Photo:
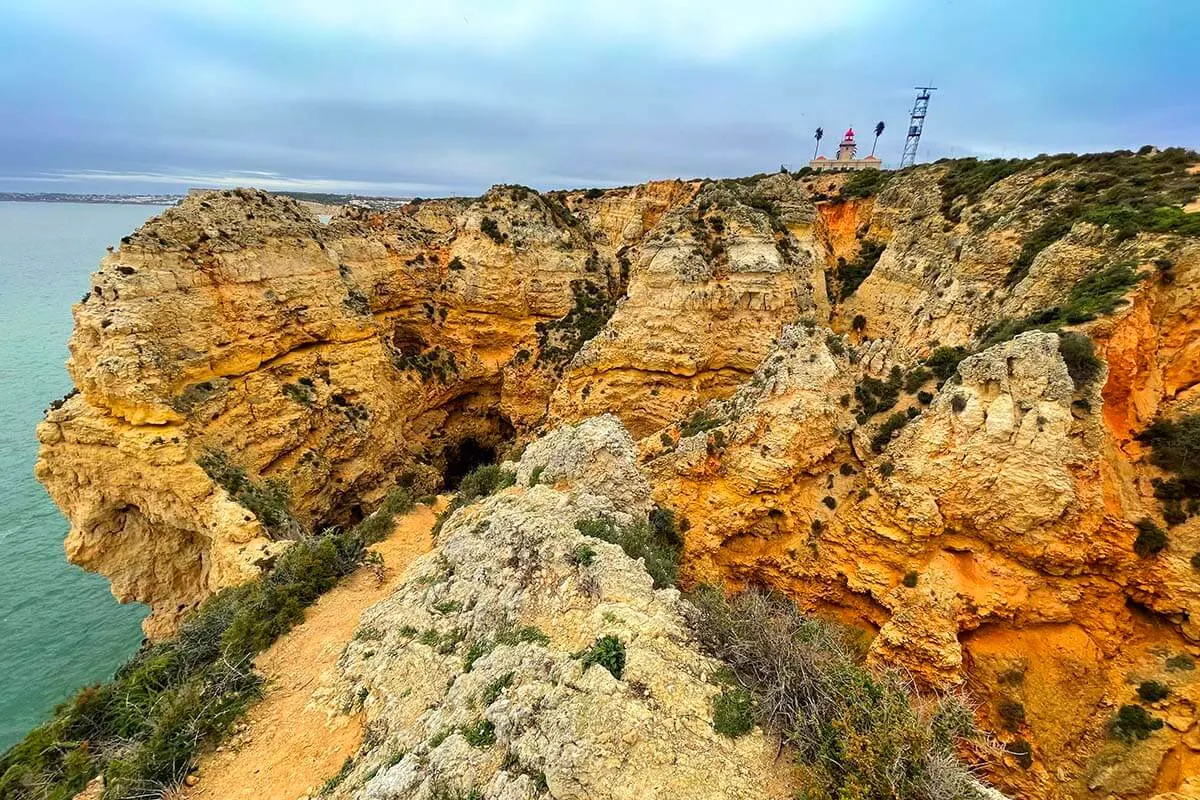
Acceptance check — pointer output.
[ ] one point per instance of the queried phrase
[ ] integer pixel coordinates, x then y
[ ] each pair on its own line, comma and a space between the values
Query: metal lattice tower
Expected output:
915, 124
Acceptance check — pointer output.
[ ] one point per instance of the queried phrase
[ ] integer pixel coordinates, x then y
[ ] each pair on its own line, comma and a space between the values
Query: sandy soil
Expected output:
287, 747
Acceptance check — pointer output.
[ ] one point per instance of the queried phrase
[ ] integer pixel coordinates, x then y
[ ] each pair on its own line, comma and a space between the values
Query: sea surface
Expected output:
60, 628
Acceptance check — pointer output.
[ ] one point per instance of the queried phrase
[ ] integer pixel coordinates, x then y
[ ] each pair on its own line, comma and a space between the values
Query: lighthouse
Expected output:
845, 160
847, 147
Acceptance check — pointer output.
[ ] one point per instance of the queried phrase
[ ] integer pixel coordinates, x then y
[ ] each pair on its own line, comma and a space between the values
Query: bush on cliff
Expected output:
852, 274
1096, 294
144, 728
559, 340
1175, 448
858, 733
269, 500
656, 543
478, 483
1079, 355
865, 183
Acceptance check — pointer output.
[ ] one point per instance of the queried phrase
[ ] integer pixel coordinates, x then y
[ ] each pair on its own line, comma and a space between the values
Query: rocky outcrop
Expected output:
982, 543
711, 286
470, 675
980, 527
336, 359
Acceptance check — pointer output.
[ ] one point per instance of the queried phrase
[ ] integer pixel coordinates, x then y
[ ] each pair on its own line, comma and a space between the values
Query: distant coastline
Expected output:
117, 199
319, 198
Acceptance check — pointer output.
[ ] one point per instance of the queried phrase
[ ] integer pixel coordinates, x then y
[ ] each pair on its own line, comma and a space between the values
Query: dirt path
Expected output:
287, 747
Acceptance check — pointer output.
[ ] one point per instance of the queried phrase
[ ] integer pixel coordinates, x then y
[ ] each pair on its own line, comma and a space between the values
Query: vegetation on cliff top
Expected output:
479, 483
145, 727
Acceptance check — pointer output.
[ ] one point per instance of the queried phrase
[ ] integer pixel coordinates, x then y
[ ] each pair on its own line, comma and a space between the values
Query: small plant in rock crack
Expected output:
608, 652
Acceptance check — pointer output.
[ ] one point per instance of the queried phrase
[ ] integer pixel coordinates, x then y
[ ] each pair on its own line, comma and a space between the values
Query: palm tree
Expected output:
819, 135
878, 132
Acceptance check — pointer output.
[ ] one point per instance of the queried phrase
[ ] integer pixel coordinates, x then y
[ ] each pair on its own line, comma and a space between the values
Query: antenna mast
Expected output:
915, 124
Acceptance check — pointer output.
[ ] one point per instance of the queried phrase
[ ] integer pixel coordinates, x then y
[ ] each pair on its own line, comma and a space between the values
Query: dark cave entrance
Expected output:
465, 456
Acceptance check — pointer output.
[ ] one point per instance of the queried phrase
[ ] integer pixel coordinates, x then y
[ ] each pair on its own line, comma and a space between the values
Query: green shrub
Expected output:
269, 501
884, 435
559, 340
1152, 691
1022, 751
522, 635
656, 546
1012, 714
475, 652
874, 395
971, 177
1150, 540
583, 555
865, 183
958, 402
1175, 448
480, 734
535, 475
829, 502
491, 692
915, 379
733, 712
379, 524
886, 469
700, 422
491, 229
859, 323
436, 362
146, 725
1181, 662
834, 343
924, 398
1080, 357
851, 276
1131, 723
1096, 294
1175, 445
1195, 561
910, 579
302, 393
847, 469
944, 361
1046, 234
479, 483
608, 652
850, 726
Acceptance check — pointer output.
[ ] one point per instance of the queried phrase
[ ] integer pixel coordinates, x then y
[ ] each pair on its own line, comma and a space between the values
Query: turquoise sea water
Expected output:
60, 628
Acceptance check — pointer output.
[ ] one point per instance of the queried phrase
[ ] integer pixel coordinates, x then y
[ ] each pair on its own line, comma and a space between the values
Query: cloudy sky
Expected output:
450, 96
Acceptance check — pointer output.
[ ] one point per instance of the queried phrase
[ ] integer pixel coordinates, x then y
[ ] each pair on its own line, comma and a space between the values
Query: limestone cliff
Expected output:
246, 373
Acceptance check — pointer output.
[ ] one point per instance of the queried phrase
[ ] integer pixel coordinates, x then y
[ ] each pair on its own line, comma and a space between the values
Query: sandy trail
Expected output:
287, 748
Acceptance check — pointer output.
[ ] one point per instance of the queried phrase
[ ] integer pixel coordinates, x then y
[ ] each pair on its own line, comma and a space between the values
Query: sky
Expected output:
393, 97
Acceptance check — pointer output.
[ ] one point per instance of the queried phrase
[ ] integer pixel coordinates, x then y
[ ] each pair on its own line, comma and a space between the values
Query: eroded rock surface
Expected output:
469, 674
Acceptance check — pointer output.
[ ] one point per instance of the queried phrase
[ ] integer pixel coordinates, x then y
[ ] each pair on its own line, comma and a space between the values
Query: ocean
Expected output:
60, 628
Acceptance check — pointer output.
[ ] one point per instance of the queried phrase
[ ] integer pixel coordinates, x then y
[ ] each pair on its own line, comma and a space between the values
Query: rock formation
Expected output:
519, 714
246, 373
